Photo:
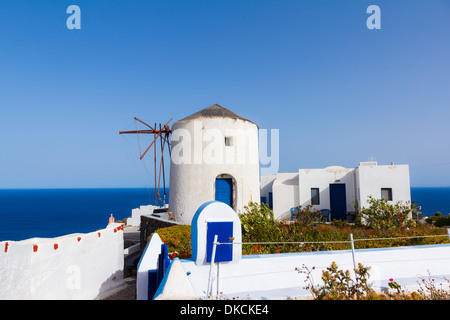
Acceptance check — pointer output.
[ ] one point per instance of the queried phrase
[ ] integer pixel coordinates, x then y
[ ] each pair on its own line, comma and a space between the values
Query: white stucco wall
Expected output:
285, 194
204, 157
371, 178
322, 178
75, 266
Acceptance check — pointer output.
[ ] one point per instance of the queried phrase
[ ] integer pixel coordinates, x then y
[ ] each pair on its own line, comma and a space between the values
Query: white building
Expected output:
338, 189
214, 157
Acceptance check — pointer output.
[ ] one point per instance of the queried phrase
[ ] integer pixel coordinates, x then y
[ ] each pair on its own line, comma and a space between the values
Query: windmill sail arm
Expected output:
139, 131
163, 134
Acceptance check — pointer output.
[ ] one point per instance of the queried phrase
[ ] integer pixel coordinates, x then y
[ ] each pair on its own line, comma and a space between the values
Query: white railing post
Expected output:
213, 255
448, 232
353, 252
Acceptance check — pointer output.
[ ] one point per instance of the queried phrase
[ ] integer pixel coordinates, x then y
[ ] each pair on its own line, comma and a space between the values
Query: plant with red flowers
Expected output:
178, 240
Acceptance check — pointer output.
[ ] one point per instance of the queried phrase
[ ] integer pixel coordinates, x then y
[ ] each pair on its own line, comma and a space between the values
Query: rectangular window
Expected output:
315, 196
228, 141
386, 193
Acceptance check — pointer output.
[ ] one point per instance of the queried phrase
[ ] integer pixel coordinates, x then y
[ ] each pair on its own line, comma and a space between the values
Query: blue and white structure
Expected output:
212, 219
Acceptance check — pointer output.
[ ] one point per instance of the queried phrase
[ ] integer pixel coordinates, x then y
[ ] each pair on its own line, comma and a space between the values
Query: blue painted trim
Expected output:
152, 283
194, 229
164, 280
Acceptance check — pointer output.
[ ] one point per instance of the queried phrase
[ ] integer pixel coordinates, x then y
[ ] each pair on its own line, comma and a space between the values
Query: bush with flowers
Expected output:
339, 285
307, 215
178, 240
382, 215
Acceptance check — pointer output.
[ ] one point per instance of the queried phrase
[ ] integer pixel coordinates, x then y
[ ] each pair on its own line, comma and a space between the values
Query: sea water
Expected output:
28, 213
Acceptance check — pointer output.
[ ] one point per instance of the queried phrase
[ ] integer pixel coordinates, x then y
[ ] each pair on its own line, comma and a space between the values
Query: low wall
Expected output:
274, 276
75, 266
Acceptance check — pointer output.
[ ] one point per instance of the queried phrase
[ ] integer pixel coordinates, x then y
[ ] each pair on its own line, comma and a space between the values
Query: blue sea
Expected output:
47, 213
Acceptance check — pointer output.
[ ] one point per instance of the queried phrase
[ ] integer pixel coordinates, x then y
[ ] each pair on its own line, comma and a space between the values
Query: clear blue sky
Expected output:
338, 92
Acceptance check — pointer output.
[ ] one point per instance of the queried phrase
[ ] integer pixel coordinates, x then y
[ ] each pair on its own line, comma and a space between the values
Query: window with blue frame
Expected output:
386, 193
315, 198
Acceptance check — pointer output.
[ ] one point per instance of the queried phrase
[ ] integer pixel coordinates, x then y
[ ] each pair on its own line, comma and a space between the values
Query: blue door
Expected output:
224, 231
270, 200
224, 188
338, 201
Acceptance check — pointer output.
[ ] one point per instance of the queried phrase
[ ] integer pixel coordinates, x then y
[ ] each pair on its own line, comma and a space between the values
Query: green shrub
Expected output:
258, 223
383, 215
431, 220
442, 221
438, 220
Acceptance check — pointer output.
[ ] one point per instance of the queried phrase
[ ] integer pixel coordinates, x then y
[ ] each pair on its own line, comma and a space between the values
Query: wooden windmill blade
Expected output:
163, 134
157, 133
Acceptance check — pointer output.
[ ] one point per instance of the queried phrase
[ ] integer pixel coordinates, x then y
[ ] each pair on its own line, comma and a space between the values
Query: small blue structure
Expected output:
216, 218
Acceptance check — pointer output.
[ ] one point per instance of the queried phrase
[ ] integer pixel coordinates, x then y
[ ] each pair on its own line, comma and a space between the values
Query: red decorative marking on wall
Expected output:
55, 246
115, 230
99, 234
79, 238
35, 247
6, 246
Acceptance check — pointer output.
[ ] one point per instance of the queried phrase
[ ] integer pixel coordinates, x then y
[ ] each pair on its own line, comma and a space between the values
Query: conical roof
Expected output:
214, 111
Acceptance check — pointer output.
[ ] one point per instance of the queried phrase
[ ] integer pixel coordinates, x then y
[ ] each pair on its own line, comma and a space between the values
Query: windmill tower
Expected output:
214, 157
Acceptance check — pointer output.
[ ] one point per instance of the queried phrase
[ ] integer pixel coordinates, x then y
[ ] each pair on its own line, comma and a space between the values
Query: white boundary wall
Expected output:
75, 266
273, 276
